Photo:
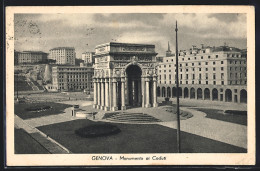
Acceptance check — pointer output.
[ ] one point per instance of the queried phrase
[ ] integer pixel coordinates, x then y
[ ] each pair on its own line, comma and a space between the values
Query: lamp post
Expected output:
177, 93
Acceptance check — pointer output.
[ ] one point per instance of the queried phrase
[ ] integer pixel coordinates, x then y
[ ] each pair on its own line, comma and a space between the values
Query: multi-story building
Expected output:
63, 55
88, 57
30, 57
69, 78
215, 73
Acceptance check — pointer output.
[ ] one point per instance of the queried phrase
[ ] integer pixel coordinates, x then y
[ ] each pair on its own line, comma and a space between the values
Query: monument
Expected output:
124, 76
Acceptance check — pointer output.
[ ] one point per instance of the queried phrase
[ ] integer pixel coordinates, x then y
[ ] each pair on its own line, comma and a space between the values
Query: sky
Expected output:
42, 32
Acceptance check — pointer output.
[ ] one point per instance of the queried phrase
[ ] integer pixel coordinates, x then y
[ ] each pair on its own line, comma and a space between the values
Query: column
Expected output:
143, 92
133, 92
123, 94
95, 93
114, 108
102, 94
107, 95
196, 94
155, 104
110, 93
147, 104
98, 98
210, 95
139, 93
126, 88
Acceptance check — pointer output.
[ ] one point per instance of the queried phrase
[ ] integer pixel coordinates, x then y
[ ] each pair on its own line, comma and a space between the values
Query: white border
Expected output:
172, 159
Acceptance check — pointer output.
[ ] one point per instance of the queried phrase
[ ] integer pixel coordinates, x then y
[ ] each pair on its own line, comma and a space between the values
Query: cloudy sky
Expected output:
84, 31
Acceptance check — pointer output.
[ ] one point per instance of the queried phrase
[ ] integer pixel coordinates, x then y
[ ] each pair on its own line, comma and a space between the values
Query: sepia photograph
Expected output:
144, 85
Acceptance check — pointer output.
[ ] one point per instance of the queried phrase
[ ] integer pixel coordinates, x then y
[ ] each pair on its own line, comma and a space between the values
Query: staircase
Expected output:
132, 118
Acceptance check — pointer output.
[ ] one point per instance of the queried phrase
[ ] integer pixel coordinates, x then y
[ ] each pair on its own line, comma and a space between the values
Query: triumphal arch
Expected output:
124, 76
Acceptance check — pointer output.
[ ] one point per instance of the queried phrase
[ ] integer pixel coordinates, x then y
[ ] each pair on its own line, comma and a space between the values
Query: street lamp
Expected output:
177, 93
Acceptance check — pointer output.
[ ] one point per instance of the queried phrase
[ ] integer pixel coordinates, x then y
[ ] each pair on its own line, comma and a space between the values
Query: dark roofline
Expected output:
57, 48
124, 44
32, 52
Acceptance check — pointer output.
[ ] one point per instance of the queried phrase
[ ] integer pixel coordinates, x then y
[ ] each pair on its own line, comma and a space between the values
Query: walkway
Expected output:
48, 143
226, 132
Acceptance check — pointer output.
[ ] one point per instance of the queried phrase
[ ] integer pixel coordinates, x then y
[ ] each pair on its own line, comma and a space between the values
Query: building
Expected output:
124, 75
88, 58
214, 73
71, 78
63, 55
16, 57
30, 57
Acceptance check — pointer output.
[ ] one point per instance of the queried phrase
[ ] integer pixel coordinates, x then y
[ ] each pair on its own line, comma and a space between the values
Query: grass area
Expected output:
21, 83
219, 115
22, 112
134, 138
25, 144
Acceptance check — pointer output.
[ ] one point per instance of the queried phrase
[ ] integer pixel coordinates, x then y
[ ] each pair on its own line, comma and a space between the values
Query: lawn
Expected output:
25, 144
56, 108
219, 115
134, 138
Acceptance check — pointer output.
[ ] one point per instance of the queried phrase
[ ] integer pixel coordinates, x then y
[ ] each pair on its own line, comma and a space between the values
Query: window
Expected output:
164, 70
199, 69
170, 77
230, 68
195, 58
206, 76
206, 63
199, 82
169, 65
187, 76
214, 69
186, 64
216, 56
193, 76
222, 82
199, 76
165, 76
206, 82
182, 59
222, 62
222, 75
206, 69
214, 63
188, 58
202, 57
235, 90
187, 70
222, 68
164, 66
192, 82
166, 60
170, 70
193, 69
230, 62
187, 82
199, 63
181, 76
192, 64
208, 57
180, 65
214, 82
214, 76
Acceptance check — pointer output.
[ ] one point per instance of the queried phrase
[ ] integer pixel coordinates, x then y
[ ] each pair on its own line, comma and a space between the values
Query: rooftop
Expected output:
58, 48
124, 44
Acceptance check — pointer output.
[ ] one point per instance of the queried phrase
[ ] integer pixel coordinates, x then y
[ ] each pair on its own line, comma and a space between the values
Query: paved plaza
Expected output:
221, 131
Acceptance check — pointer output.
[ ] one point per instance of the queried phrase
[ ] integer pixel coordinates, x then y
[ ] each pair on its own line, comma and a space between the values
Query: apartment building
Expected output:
214, 73
63, 55
70, 78
30, 57
88, 57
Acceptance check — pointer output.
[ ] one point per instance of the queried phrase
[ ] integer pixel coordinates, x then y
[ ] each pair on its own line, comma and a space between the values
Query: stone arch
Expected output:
168, 92
163, 91
133, 63
214, 94
199, 93
206, 94
228, 95
243, 96
158, 91
174, 91
192, 93
186, 92
180, 91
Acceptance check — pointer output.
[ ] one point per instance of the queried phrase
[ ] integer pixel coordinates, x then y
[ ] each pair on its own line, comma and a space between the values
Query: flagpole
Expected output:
177, 93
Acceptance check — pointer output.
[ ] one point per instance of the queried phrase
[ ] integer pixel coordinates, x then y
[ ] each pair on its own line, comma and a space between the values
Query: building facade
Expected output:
30, 57
63, 55
70, 78
88, 57
124, 76
214, 73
